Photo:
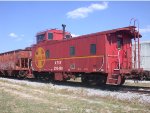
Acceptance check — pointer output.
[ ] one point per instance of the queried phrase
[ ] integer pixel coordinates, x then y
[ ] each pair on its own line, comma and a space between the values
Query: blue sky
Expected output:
20, 21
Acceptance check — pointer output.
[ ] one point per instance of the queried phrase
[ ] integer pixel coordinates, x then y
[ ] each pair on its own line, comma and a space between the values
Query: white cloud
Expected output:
84, 11
145, 30
15, 37
74, 35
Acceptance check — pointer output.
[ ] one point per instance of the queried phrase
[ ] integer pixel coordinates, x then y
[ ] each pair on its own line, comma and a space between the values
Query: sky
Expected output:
20, 21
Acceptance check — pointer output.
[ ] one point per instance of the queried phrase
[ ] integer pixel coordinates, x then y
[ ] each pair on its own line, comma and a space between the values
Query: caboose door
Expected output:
114, 59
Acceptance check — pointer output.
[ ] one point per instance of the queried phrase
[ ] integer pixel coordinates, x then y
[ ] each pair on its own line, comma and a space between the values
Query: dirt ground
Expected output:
31, 97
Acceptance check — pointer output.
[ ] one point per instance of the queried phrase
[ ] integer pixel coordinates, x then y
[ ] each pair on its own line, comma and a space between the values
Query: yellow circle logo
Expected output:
40, 57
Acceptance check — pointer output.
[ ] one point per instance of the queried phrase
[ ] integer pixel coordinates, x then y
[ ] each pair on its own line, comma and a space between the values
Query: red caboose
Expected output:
103, 57
16, 63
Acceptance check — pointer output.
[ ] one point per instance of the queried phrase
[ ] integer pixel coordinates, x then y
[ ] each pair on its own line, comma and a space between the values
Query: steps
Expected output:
113, 80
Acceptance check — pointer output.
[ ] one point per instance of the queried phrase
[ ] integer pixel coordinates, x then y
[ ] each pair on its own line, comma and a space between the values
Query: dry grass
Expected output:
23, 98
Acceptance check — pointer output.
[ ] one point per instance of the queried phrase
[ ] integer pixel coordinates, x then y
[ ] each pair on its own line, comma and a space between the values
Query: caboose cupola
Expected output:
52, 34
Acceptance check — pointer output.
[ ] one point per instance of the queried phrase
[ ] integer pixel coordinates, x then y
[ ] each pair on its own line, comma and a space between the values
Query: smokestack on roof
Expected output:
63, 25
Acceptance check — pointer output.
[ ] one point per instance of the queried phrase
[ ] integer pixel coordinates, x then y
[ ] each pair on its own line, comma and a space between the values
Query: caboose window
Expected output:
47, 54
67, 36
50, 36
40, 37
119, 43
93, 49
72, 51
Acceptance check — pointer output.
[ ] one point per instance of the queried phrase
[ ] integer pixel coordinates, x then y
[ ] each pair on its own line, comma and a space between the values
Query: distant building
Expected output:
145, 55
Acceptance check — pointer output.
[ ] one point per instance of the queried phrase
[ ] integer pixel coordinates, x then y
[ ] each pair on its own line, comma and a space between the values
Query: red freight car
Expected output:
16, 63
103, 57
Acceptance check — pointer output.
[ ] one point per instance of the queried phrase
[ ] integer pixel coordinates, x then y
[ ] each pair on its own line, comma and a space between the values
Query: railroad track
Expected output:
140, 91
124, 88
136, 89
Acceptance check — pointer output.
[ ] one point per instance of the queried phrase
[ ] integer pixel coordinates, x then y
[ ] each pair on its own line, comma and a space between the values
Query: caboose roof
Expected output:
129, 29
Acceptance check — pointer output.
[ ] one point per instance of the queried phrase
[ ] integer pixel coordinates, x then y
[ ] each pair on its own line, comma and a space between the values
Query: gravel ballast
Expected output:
129, 96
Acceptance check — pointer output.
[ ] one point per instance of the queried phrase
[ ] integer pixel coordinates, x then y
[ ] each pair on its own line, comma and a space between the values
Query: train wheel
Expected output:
9, 73
101, 80
22, 73
84, 79
3, 72
51, 78
121, 80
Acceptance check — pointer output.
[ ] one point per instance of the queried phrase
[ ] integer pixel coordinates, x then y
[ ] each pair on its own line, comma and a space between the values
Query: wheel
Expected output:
22, 73
84, 79
121, 80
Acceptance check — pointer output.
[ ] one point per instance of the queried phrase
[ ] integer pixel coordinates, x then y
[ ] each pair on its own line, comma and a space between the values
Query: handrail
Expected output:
101, 65
136, 36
